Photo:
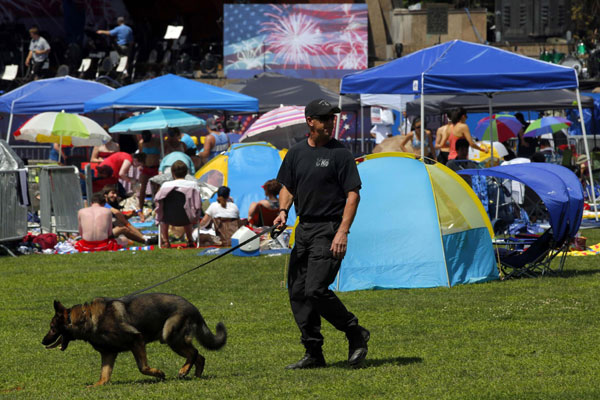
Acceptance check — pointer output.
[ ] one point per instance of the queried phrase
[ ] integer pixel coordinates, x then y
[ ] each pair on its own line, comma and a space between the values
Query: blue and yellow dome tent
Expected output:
418, 225
244, 168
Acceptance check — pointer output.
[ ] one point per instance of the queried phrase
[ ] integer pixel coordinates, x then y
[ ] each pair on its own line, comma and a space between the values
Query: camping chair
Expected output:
226, 227
527, 255
173, 212
263, 216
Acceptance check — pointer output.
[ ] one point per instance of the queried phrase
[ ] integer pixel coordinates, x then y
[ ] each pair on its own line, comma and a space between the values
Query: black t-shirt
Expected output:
319, 178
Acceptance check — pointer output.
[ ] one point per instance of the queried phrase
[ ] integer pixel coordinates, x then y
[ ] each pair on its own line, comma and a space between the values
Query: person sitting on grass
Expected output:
95, 227
271, 188
121, 225
192, 206
224, 215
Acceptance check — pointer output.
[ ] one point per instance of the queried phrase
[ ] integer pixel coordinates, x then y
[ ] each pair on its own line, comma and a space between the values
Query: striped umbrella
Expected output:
505, 127
282, 127
64, 128
546, 125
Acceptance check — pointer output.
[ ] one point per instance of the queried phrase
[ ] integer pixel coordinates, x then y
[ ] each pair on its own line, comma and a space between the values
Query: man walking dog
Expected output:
320, 177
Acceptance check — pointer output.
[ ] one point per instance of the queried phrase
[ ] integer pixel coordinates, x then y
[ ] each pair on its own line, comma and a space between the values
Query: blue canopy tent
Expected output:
172, 91
55, 94
557, 186
462, 67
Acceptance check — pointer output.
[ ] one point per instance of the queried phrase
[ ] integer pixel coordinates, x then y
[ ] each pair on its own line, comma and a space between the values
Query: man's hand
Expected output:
339, 245
281, 220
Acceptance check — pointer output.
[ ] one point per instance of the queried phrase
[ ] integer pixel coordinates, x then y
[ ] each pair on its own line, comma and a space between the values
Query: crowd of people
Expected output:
123, 177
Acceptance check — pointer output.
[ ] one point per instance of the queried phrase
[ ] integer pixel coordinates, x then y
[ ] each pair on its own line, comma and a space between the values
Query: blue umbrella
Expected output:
160, 118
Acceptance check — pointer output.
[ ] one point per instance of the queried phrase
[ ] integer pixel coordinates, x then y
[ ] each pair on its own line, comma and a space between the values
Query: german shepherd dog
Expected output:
112, 326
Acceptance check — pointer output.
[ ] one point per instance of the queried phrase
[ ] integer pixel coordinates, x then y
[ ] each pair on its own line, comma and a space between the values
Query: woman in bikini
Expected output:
441, 140
99, 153
459, 129
149, 157
415, 138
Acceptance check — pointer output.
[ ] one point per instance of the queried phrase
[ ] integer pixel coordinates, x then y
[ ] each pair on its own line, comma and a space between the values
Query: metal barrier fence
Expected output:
60, 198
13, 215
32, 152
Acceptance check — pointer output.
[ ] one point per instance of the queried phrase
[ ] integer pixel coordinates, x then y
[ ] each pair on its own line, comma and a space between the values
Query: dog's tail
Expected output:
206, 337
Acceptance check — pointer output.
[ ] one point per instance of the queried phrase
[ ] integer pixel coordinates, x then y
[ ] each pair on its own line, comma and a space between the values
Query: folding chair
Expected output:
173, 206
528, 255
263, 216
225, 228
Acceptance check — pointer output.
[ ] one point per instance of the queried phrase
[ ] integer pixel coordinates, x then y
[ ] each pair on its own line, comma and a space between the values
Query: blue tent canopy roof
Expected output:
557, 186
460, 67
172, 91
54, 94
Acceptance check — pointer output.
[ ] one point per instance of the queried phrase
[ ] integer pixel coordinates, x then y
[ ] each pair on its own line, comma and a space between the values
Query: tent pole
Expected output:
339, 116
587, 153
422, 120
10, 120
362, 128
162, 144
492, 126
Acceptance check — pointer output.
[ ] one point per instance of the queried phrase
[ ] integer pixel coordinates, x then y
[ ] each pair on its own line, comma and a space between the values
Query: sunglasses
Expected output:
324, 118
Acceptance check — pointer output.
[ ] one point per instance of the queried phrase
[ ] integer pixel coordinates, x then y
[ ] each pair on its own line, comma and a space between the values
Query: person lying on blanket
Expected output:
95, 227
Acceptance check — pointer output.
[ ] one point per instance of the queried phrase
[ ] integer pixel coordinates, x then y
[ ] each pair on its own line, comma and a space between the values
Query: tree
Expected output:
585, 15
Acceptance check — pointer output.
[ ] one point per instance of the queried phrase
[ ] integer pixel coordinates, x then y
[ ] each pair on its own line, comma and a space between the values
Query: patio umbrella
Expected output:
503, 127
63, 128
547, 125
160, 118
282, 127
479, 156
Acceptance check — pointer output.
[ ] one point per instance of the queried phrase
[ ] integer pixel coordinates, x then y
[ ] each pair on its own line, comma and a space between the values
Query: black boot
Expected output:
310, 360
357, 345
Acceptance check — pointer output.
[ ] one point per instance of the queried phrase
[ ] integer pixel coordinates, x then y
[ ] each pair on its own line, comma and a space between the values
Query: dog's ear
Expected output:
58, 307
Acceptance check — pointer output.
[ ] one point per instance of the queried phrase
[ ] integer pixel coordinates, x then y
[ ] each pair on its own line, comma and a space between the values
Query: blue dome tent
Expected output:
244, 168
417, 225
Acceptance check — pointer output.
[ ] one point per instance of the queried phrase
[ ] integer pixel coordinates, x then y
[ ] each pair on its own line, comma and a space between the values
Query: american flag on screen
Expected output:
301, 40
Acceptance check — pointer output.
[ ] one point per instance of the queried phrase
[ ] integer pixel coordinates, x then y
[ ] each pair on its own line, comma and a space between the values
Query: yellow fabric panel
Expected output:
214, 172
459, 208
389, 154
282, 153
293, 234
66, 140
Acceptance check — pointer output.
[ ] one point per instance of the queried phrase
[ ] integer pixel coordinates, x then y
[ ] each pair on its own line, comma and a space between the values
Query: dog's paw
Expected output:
184, 371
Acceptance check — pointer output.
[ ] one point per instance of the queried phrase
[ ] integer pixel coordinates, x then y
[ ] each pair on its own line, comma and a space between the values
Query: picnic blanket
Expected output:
590, 251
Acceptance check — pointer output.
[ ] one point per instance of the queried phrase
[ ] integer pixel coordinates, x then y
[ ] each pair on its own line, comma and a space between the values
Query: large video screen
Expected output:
300, 40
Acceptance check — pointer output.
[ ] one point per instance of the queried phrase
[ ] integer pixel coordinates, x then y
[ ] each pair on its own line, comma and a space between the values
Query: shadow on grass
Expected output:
151, 381
568, 273
377, 362
565, 273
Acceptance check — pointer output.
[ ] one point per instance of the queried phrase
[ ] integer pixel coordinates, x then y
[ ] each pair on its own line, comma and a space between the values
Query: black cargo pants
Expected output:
312, 269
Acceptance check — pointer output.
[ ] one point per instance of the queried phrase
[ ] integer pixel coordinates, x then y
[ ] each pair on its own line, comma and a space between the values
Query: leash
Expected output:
273, 232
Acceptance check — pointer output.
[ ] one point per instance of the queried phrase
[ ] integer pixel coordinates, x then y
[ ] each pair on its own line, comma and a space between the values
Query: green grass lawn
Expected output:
517, 339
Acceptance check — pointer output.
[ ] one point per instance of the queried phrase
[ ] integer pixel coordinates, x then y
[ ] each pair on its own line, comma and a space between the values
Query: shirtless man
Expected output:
95, 227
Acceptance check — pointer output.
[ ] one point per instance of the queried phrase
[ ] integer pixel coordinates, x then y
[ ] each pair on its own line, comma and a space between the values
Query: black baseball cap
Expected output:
223, 191
320, 107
